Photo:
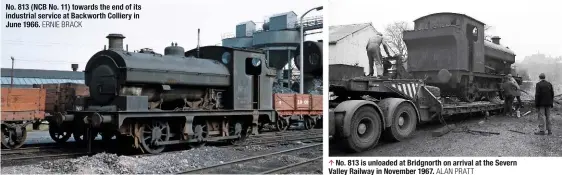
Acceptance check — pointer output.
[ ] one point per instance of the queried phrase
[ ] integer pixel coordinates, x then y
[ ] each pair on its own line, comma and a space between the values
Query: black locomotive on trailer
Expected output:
449, 51
211, 93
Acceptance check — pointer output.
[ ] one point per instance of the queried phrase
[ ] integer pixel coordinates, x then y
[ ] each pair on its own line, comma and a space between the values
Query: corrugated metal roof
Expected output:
339, 32
43, 74
32, 81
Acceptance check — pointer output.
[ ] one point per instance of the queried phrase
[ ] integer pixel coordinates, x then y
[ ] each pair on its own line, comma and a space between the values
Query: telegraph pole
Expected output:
12, 76
302, 47
198, 41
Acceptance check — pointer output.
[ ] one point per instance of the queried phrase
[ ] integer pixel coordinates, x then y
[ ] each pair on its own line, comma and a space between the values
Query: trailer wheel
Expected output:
365, 129
404, 122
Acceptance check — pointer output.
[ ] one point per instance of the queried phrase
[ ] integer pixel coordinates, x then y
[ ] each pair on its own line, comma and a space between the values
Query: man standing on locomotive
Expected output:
544, 100
374, 53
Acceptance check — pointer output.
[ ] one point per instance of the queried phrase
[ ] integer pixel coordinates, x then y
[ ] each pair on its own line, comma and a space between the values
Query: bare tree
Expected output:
486, 29
394, 32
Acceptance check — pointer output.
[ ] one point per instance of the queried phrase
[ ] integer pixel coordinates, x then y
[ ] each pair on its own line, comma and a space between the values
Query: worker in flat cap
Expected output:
374, 53
544, 100
508, 95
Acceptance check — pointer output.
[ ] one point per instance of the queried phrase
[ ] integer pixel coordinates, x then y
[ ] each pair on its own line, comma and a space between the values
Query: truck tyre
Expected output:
404, 122
365, 130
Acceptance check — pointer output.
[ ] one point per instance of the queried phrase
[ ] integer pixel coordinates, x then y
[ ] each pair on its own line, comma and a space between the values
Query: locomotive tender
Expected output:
449, 50
211, 93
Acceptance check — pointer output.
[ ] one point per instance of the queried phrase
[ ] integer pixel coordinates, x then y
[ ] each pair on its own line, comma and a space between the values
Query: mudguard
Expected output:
342, 114
389, 105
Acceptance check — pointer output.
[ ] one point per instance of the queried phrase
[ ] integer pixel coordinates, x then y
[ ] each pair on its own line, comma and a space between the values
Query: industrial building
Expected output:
26, 78
348, 44
279, 37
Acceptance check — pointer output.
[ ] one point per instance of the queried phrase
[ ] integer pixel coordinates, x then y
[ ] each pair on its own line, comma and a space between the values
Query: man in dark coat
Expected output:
508, 95
544, 99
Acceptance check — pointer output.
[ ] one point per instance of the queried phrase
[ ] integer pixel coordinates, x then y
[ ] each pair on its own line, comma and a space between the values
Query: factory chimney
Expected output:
198, 34
74, 67
115, 41
496, 40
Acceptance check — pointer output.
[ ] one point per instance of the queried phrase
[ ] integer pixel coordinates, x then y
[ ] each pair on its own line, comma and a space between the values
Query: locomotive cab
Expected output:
251, 78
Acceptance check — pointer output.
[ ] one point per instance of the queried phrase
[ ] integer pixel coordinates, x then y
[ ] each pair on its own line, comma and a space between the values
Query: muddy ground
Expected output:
521, 141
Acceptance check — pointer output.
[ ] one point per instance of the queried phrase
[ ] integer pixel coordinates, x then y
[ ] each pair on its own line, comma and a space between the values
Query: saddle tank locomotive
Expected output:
449, 51
211, 93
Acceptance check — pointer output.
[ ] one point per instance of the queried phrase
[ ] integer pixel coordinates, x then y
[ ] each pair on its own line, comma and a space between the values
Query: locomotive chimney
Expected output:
74, 67
496, 40
115, 41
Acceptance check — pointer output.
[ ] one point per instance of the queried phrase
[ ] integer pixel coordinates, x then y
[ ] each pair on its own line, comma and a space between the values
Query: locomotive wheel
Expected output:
58, 135
308, 123
491, 96
239, 129
10, 138
200, 132
106, 136
281, 124
80, 135
404, 122
365, 130
157, 131
469, 94
125, 144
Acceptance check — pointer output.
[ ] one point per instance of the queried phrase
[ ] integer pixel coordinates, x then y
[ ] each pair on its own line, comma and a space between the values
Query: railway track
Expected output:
249, 162
29, 159
33, 154
264, 141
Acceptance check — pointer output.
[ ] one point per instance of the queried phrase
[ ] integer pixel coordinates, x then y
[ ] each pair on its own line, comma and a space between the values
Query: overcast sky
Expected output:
527, 27
161, 22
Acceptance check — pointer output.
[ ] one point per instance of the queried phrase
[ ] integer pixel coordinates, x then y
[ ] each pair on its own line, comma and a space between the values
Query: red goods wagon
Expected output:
20, 107
295, 108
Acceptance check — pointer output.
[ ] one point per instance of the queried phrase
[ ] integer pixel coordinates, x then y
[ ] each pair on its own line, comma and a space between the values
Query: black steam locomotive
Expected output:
211, 93
449, 51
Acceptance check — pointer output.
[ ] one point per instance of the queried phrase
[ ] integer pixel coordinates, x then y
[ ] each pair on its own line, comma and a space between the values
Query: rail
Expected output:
203, 169
299, 164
